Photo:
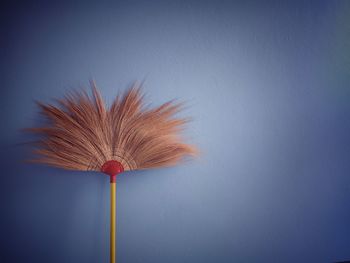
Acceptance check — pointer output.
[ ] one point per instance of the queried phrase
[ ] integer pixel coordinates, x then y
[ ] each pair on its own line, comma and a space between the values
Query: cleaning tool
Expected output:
81, 133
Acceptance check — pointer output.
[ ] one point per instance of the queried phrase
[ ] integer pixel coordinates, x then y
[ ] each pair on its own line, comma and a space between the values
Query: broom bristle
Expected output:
82, 134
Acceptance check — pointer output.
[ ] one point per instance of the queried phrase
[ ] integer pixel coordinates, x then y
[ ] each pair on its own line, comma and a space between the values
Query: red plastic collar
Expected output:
112, 168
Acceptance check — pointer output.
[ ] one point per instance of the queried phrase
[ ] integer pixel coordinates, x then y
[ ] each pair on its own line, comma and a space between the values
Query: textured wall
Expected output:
268, 88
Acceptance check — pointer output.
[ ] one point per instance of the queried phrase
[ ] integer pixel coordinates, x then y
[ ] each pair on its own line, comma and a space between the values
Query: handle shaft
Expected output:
113, 222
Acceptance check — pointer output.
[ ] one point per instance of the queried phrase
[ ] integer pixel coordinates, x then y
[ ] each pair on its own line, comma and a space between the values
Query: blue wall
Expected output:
268, 88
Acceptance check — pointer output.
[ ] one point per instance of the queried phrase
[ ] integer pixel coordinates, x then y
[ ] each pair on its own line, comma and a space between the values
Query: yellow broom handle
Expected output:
112, 228
112, 168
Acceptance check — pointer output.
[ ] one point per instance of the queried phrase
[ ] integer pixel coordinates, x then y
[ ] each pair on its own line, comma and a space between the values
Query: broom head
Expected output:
83, 134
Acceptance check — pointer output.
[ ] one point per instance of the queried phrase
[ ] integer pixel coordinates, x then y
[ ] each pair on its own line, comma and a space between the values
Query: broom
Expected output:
82, 134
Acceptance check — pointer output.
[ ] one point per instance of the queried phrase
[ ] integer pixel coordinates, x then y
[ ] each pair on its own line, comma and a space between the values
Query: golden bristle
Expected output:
82, 134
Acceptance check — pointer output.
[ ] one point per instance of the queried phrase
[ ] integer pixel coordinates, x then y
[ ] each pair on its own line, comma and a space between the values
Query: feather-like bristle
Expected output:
83, 134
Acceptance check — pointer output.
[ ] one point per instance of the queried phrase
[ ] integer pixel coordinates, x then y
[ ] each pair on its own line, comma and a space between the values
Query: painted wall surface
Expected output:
268, 87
